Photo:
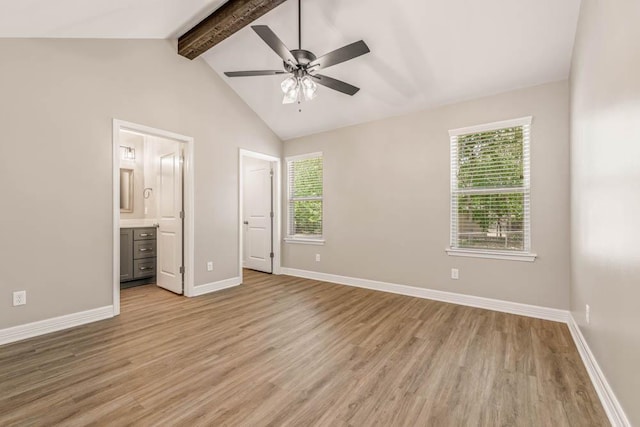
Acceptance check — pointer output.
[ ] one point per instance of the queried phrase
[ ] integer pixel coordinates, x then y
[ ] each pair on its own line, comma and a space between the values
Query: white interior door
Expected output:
257, 208
169, 249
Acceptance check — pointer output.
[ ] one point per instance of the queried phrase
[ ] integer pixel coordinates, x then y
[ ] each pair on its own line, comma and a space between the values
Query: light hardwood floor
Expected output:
280, 350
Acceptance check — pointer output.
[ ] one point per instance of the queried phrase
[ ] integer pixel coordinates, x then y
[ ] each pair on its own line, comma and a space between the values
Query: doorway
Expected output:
153, 212
259, 208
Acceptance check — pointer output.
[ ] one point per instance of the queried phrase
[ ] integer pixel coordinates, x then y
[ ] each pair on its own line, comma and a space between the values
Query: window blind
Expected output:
304, 175
490, 187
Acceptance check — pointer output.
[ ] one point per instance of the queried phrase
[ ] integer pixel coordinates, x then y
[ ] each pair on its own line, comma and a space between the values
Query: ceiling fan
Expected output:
302, 66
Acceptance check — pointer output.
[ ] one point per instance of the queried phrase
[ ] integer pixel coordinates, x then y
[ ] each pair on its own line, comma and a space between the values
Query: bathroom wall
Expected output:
150, 179
136, 142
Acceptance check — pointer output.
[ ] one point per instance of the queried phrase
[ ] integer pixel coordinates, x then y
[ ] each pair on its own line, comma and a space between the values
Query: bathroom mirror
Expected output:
126, 190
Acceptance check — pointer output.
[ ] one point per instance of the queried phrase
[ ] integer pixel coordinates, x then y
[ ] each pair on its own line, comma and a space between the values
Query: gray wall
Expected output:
386, 206
59, 99
605, 190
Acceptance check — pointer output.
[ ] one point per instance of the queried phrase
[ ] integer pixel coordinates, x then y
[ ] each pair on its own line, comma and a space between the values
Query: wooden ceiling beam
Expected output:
222, 23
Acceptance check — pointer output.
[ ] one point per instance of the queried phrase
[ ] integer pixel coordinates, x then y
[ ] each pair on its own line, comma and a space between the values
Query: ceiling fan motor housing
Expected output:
303, 57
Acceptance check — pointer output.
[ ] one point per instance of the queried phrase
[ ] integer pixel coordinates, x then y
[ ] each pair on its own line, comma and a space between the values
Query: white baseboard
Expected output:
611, 405
216, 286
34, 329
450, 297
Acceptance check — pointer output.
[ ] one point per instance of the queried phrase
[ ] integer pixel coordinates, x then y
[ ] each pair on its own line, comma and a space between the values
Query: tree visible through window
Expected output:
490, 189
305, 196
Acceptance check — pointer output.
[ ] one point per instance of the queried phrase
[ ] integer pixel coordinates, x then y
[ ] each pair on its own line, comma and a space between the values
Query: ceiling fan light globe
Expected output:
309, 95
309, 88
291, 96
289, 84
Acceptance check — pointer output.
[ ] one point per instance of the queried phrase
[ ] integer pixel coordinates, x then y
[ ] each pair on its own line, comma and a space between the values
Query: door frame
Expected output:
187, 195
277, 203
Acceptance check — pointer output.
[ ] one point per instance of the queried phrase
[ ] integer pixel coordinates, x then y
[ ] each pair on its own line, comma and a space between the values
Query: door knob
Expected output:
246, 222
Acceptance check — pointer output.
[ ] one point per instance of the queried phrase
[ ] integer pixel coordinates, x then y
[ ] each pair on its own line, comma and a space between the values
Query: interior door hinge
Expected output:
271, 172
181, 214
271, 214
182, 269
271, 255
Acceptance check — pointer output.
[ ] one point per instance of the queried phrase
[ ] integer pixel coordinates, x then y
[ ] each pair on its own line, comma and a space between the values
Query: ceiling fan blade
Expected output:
334, 84
274, 43
253, 73
343, 54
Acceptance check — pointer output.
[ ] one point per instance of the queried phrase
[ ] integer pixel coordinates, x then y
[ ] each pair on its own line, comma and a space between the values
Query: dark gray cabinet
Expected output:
126, 254
137, 253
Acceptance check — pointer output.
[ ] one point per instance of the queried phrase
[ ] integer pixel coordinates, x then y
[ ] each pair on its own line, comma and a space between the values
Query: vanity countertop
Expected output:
138, 224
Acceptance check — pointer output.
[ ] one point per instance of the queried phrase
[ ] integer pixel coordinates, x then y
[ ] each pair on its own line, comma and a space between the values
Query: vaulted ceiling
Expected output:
424, 53
136, 19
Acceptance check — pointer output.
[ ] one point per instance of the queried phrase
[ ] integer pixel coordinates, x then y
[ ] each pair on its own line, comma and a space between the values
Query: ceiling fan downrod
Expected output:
300, 24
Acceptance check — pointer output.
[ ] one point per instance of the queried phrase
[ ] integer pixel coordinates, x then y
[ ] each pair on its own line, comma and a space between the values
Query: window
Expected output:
304, 177
490, 186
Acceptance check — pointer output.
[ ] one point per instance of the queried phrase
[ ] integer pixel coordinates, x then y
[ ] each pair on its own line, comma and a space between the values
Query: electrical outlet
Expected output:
454, 274
210, 266
317, 257
19, 298
587, 313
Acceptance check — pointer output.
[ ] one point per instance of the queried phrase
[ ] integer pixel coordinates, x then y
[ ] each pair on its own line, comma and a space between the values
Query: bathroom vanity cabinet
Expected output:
137, 253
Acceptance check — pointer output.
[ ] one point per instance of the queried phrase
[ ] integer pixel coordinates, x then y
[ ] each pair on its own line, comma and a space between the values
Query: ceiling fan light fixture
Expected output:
291, 89
288, 84
300, 63
290, 97
309, 88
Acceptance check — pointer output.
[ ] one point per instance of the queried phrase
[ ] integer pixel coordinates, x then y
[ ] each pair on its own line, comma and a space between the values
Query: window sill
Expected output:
504, 255
302, 241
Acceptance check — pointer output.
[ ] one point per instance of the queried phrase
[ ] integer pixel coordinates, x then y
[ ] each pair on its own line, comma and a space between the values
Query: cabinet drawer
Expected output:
144, 233
144, 249
144, 268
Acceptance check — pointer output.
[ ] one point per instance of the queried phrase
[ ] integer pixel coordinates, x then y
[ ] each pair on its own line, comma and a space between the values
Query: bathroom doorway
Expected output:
153, 209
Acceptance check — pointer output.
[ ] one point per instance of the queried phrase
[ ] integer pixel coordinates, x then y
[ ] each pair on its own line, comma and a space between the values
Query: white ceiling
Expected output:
146, 19
424, 53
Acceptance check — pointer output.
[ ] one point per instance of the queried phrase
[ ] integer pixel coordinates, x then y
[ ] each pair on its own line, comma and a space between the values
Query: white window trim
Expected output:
304, 156
523, 121
525, 255
305, 240
299, 239
486, 253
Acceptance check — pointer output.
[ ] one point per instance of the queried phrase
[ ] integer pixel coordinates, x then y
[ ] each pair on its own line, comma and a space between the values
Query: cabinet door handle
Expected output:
146, 268
144, 249
145, 234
